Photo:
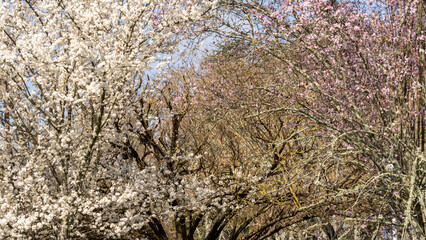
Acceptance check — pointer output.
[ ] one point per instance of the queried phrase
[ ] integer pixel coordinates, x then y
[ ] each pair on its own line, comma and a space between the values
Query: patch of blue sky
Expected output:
189, 52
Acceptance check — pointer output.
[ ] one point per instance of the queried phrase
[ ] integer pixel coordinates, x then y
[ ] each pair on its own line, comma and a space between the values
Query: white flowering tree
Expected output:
74, 102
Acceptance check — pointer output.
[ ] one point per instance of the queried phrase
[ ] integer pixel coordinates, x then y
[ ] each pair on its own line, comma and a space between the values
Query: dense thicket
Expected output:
305, 120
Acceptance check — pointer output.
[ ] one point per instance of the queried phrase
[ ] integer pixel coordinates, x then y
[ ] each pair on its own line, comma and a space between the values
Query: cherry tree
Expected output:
355, 68
70, 71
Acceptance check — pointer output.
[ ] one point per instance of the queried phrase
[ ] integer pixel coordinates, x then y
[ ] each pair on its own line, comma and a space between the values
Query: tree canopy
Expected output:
303, 119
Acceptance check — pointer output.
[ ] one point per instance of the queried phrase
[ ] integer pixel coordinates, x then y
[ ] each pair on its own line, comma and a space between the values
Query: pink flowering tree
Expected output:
356, 69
